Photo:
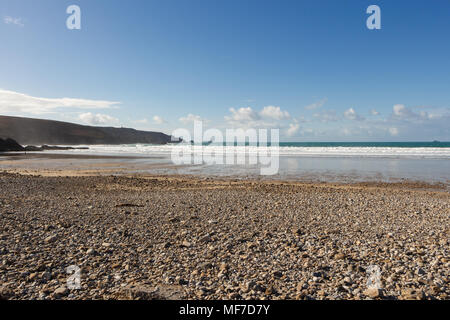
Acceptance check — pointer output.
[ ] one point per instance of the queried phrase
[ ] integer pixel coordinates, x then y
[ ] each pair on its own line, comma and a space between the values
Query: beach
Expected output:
135, 235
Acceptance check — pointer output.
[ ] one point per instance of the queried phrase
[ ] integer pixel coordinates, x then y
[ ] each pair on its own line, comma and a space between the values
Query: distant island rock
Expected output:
28, 131
11, 145
45, 147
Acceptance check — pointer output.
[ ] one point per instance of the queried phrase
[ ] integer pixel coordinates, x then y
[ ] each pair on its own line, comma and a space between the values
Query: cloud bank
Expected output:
98, 119
14, 21
11, 101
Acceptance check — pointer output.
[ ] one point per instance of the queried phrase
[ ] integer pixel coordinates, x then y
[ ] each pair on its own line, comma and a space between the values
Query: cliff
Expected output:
28, 131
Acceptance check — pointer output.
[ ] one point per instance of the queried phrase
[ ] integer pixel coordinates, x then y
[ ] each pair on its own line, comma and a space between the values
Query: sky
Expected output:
312, 69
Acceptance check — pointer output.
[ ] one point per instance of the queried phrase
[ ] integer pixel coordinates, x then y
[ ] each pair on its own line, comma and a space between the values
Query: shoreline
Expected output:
70, 164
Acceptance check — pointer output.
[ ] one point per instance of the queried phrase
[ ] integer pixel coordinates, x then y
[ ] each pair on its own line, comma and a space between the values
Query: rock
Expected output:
206, 265
124, 205
373, 293
348, 280
8, 144
270, 290
61, 291
234, 296
160, 292
223, 267
277, 274
339, 256
32, 276
251, 245
50, 239
33, 148
412, 294
300, 286
246, 287
205, 239
5, 293
186, 244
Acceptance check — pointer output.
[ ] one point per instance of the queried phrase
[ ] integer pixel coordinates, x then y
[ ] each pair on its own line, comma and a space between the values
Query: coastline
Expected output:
175, 236
304, 169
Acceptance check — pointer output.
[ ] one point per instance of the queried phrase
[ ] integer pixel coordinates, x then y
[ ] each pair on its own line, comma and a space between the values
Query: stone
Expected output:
223, 267
270, 290
206, 265
412, 294
373, 293
32, 276
339, 256
277, 274
61, 291
50, 239
205, 239
160, 292
186, 244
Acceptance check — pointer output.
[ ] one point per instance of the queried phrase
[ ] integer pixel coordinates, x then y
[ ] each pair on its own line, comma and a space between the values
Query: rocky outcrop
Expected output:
27, 131
8, 145
45, 147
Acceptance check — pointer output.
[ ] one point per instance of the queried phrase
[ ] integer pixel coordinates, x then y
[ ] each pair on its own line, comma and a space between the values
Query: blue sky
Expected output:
311, 68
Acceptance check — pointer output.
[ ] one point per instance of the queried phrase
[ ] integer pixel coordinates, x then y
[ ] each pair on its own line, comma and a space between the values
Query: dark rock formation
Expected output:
27, 131
45, 147
10, 145
33, 148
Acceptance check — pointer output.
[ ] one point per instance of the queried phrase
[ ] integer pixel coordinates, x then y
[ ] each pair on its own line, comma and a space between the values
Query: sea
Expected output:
324, 161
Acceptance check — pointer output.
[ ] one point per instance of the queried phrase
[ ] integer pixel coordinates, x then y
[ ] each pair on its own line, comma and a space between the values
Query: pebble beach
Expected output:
187, 237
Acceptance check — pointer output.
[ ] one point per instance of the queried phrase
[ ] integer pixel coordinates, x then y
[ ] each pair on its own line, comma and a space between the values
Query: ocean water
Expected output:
327, 161
317, 149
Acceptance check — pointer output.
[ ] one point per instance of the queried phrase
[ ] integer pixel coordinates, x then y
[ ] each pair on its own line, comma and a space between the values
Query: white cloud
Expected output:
393, 131
316, 104
400, 110
158, 120
11, 101
269, 116
191, 118
374, 112
242, 115
346, 131
326, 116
293, 129
274, 113
15, 21
141, 121
352, 115
97, 119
